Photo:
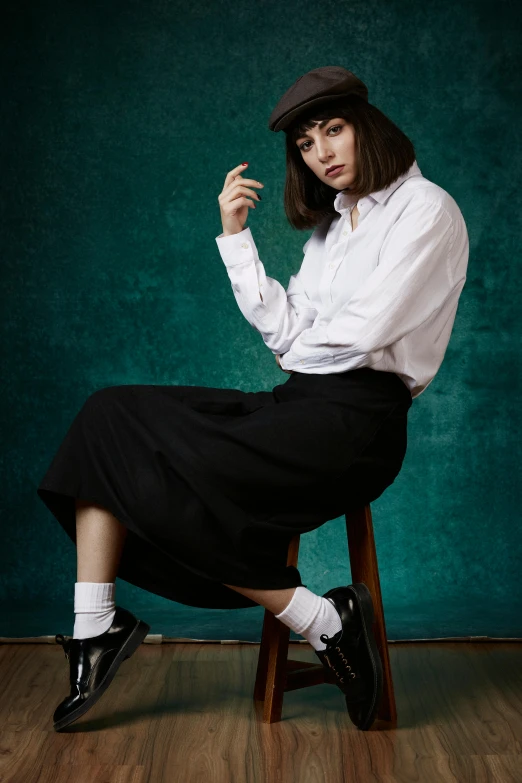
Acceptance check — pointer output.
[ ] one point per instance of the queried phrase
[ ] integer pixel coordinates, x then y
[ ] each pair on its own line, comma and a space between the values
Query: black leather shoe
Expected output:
352, 655
93, 662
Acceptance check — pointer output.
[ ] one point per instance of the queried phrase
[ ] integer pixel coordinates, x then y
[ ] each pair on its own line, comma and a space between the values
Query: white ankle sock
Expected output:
94, 608
311, 615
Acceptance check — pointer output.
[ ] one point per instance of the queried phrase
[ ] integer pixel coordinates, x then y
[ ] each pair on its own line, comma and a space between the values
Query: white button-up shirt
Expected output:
383, 295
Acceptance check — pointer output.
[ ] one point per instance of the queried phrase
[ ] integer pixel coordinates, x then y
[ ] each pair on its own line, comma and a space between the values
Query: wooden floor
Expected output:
184, 713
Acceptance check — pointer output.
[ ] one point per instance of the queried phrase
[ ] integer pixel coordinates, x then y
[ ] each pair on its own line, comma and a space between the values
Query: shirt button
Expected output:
245, 244
332, 266
344, 233
301, 361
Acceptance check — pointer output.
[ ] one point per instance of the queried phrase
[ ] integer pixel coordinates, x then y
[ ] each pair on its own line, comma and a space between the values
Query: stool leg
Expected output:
364, 568
272, 662
271, 667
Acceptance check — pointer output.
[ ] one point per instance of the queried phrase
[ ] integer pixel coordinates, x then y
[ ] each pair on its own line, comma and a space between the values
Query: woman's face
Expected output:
330, 145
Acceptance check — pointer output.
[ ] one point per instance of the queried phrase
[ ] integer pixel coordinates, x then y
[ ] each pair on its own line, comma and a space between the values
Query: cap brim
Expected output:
287, 119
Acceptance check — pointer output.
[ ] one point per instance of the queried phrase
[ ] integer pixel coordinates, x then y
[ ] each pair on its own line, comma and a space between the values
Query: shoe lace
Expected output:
340, 666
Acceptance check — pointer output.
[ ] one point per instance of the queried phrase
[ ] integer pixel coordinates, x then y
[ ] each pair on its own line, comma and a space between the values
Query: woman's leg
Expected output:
301, 610
99, 539
273, 600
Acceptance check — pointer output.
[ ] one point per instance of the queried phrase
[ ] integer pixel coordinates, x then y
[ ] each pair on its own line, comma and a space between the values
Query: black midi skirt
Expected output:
212, 483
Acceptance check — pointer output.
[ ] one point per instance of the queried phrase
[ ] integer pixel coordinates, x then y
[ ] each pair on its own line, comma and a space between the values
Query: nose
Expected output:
323, 153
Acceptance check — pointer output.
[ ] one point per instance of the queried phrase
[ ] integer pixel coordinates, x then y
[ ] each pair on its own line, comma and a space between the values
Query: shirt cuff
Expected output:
237, 248
281, 363
291, 361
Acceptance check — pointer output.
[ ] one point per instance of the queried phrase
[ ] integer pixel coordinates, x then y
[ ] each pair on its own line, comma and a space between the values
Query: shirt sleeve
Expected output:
279, 315
411, 282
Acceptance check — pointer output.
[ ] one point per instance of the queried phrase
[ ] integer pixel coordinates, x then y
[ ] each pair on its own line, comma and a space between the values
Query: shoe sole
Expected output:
131, 645
365, 603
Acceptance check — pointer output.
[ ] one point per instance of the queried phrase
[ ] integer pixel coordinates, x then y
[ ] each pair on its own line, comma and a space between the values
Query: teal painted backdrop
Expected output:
120, 122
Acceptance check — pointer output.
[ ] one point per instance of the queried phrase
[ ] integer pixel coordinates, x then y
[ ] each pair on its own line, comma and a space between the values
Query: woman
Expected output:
194, 493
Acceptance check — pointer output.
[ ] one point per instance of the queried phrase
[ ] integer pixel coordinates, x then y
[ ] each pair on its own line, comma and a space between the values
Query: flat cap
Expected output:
315, 87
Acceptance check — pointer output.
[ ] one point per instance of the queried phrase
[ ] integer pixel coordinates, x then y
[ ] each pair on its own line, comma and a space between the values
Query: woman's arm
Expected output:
279, 315
418, 274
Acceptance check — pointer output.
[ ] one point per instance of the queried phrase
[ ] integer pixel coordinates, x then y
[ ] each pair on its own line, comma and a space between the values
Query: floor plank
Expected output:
184, 712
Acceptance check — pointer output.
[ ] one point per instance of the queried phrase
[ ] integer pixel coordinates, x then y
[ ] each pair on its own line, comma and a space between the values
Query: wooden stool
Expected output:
277, 674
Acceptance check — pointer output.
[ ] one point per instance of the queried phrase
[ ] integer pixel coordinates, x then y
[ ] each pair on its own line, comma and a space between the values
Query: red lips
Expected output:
339, 166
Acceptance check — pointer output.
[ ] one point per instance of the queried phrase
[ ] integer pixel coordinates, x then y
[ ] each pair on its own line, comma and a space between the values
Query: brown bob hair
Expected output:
382, 152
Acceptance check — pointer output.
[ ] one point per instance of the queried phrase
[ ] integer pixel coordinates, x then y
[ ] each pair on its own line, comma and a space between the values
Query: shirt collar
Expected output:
345, 201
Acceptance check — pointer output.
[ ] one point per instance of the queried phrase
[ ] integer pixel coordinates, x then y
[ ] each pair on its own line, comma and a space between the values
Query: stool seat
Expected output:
276, 673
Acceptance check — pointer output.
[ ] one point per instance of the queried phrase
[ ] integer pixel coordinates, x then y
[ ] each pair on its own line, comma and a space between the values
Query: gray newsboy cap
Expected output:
316, 87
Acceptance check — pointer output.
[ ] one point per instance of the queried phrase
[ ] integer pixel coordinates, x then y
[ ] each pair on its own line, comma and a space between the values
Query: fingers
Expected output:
234, 176
237, 194
234, 173
236, 191
233, 198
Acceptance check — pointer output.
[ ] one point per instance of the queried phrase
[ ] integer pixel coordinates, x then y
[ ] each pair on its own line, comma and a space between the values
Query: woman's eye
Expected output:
302, 147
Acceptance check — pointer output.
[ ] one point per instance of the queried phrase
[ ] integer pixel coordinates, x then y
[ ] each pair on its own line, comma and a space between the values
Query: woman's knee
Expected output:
107, 395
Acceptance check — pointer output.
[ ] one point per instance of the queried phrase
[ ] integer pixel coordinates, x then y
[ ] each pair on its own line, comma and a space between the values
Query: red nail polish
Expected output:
244, 164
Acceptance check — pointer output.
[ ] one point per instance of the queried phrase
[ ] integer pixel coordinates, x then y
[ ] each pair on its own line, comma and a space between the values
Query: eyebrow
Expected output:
321, 125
